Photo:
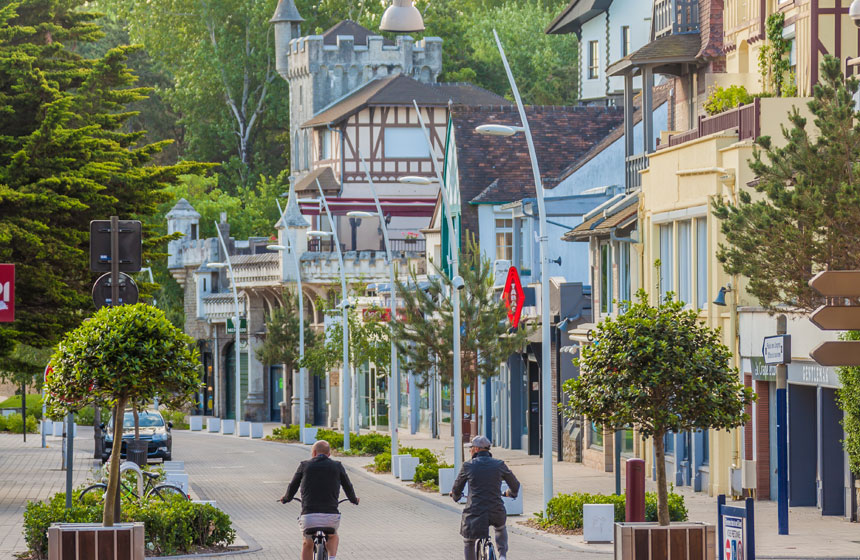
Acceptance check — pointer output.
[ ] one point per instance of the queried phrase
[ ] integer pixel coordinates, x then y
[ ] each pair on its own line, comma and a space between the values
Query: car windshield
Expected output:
147, 420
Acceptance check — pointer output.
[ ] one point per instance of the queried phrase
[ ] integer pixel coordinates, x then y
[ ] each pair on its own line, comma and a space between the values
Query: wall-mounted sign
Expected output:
776, 350
243, 326
513, 296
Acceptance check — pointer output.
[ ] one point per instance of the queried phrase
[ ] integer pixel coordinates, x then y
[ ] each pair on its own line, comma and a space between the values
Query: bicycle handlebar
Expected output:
300, 501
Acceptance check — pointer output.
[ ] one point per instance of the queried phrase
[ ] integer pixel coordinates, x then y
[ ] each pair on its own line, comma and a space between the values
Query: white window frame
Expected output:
593, 72
506, 229
405, 143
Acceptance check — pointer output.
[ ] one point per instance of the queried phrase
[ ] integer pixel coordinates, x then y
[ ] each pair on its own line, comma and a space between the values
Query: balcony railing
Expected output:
323, 246
634, 165
746, 119
674, 16
404, 245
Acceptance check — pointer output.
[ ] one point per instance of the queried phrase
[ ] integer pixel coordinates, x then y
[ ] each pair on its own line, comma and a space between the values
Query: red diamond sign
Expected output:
513, 296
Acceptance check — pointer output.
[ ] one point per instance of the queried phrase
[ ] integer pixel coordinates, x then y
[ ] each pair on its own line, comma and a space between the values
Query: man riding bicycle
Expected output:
320, 479
484, 506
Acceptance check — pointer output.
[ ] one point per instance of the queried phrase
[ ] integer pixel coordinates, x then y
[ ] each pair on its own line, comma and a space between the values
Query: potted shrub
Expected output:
126, 354
658, 368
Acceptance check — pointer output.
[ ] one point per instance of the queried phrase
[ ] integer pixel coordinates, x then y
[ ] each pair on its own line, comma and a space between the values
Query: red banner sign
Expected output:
513, 296
7, 293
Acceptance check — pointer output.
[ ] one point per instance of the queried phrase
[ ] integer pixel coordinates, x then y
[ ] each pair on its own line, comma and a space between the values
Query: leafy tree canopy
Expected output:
804, 216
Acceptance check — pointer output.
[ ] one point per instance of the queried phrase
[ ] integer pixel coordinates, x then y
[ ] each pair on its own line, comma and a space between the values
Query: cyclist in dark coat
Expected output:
484, 506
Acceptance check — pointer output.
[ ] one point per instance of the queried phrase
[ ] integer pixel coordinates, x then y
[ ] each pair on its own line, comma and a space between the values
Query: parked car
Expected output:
153, 429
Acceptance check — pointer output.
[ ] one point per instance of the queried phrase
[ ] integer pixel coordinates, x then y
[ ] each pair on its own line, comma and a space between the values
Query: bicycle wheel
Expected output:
489, 551
320, 552
96, 492
167, 492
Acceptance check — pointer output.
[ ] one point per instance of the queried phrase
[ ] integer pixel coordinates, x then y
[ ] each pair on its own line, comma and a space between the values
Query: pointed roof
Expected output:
358, 32
183, 209
292, 217
286, 11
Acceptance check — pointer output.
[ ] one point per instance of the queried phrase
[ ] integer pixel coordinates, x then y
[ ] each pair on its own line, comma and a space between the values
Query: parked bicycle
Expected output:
164, 492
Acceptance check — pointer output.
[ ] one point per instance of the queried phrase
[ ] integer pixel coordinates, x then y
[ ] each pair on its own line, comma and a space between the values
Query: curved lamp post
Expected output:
457, 283
546, 387
237, 321
394, 377
345, 388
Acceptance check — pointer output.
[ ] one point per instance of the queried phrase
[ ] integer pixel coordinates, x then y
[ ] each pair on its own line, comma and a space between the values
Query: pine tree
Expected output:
65, 159
805, 216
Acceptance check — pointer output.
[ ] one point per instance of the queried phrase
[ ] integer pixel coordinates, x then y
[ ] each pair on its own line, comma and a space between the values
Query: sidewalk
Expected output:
28, 473
811, 535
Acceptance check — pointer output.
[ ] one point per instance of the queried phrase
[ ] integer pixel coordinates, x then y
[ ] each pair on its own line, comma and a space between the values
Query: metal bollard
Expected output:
634, 504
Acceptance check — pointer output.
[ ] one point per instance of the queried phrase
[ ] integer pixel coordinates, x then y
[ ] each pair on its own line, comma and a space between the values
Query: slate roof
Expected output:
496, 170
400, 90
348, 27
664, 52
308, 183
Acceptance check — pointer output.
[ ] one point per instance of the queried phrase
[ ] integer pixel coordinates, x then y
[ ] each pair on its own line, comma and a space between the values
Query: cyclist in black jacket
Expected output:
320, 479
484, 506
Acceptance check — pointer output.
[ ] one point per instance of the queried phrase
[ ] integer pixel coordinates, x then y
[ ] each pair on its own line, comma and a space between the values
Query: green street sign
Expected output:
243, 326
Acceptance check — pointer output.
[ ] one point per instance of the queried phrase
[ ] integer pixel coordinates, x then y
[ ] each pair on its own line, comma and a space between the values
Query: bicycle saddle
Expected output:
149, 474
326, 530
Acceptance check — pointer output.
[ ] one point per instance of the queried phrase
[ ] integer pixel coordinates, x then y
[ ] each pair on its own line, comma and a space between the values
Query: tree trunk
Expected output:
136, 421
662, 492
110, 515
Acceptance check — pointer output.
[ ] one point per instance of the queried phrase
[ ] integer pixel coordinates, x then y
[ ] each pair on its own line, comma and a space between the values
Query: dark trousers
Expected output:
501, 544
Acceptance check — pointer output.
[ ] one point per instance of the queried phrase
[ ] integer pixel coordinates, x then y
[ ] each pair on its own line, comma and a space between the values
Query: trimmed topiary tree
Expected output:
661, 369
126, 354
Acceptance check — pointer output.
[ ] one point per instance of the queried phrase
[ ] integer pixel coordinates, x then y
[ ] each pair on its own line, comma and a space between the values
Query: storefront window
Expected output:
669, 444
596, 436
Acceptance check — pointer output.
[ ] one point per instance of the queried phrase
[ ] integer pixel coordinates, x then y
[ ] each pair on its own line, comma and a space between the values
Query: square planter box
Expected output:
309, 435
395, 464
87, 541
513, 506
256, 430
213, 425
228, 427
598, 522
446, 480
47, 427
177, 479
174, 466
244, 429
195, 423
679, 541
407, 467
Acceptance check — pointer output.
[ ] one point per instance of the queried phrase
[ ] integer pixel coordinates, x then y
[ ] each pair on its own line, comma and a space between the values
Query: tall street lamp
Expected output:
394, 377
401, 17
546, 386
302, 369
345, 389
457, 284
237, 321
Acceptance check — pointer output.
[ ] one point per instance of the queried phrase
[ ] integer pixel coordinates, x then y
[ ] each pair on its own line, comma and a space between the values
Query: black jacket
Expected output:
320, 479
484, 506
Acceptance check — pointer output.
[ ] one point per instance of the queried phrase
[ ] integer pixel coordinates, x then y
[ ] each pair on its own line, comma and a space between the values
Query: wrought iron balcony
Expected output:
674, 16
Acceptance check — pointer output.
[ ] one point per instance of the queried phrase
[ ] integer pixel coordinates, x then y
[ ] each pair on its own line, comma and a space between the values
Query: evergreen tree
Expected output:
805, 214
65, 159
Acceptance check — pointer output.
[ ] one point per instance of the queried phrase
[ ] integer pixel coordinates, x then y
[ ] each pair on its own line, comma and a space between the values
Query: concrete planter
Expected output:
195, 423
174, 466
309, 435
513, 506
47, 427
408, 464
446, 480
177, 479
57, 428
598, 522
213, 425
256, 430
681, 541
88, 541
228, 427
244, 429
395, 464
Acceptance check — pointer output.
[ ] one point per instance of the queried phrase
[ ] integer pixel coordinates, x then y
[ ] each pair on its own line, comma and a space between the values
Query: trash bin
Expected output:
136, 451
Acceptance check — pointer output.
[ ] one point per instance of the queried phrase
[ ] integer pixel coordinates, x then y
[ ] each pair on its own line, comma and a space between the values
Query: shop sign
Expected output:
810, 373
243, 326
762, 371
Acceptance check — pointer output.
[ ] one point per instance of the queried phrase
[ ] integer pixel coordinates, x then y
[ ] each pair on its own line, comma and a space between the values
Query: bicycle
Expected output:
165, 492
320, 536
484, 549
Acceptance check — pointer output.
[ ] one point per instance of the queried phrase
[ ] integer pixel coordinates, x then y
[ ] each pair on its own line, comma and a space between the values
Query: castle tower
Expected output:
182, 218
287, 22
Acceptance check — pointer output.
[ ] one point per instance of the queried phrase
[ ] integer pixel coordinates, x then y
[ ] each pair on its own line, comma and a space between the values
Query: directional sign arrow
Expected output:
837, 353
837, 283
836, 318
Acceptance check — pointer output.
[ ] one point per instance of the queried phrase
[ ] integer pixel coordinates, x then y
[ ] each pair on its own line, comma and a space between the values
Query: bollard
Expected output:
634, 504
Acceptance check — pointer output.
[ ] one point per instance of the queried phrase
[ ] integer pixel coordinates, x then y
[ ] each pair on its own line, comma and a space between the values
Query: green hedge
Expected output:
176, 527
428, 467
285, 433
14, 424
86, 416
177, 417
565, 510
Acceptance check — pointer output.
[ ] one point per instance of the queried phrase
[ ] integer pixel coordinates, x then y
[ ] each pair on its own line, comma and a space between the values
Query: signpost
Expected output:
231, 326
736, 530
7, 293
840, 285
513, 296
776, 350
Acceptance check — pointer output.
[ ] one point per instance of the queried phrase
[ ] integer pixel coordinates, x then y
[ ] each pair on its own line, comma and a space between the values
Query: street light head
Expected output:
458, 282
498, 130
854, 12
346, 304
359, 214
216, 265
276, 248
415, 180
316, 233
402, 17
